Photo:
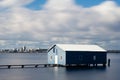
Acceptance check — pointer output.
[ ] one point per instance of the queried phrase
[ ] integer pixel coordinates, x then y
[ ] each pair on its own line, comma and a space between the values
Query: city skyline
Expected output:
42, 23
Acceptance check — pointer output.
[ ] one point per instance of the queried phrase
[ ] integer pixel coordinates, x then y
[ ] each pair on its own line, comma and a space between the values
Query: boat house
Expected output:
73, 54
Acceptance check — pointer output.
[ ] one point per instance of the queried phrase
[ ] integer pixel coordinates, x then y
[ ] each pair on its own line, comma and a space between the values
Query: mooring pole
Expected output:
36, 66
9, 66
108, 62
22, 66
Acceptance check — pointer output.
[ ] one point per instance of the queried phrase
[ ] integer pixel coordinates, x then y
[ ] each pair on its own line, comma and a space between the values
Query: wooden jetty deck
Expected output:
42, 66
27, 65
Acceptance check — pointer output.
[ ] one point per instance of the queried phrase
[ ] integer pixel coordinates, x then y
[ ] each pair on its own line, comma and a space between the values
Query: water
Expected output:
54, 73
32, 58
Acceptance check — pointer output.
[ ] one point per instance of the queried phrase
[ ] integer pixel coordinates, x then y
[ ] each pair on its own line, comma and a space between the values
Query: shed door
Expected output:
56, 59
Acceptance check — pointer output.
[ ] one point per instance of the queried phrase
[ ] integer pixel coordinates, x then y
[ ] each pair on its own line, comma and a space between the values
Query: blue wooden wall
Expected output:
77, 57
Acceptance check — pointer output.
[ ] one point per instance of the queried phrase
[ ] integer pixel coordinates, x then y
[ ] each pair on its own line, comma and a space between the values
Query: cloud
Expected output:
59, 22
13, 3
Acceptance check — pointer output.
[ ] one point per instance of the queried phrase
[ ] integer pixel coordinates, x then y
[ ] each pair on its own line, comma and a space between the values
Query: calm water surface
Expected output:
61, 73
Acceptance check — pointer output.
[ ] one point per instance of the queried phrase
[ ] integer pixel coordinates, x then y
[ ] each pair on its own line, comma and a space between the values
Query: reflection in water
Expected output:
23, 58
77, 73
85, 73
56, 69
85, 68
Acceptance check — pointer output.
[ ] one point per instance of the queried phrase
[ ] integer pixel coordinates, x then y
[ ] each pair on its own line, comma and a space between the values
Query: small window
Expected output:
56, 52
61, 57
80, 57
53, 50
51, 57
94, 58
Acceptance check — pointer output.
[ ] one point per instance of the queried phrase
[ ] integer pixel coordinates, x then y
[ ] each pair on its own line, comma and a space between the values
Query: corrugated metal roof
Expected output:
76, 47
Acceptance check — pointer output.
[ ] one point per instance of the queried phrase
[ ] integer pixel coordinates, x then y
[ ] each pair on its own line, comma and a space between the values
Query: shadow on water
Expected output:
74, 68
84, 73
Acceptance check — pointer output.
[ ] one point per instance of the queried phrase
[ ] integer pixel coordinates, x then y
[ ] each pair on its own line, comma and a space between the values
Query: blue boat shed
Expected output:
70, 54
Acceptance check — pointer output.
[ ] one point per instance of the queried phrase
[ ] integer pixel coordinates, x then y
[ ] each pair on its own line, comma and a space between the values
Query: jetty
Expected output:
20, 66
27, 66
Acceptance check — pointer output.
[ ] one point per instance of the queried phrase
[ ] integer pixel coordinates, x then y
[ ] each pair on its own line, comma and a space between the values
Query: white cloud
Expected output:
13, 3
60, 22
60, 5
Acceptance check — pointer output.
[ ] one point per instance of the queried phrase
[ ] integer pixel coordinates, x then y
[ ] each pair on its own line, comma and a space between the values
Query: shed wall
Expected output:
61, 56
51, 57
60, 53
77, 57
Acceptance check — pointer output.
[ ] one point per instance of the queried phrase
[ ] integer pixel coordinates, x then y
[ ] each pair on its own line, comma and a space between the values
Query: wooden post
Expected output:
93, 65
49, 65
9, 66
96, 65
45, 65
104, 65
36, 66
22, 66
108, 62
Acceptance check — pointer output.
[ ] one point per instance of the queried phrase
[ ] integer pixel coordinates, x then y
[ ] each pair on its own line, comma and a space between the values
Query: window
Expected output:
94, 58
51, 57
53, 50
80, 57
61, 57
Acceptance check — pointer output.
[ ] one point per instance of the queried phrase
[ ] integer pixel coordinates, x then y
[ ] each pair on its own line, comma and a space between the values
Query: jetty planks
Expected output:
26, 66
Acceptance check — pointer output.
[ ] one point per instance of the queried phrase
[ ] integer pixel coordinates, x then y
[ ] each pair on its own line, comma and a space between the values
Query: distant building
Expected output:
67, 54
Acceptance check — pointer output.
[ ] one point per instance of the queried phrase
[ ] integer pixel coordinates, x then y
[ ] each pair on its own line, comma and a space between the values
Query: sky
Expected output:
42, 23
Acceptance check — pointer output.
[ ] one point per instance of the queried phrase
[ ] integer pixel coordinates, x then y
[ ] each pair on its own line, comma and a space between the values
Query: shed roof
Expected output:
76, 47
